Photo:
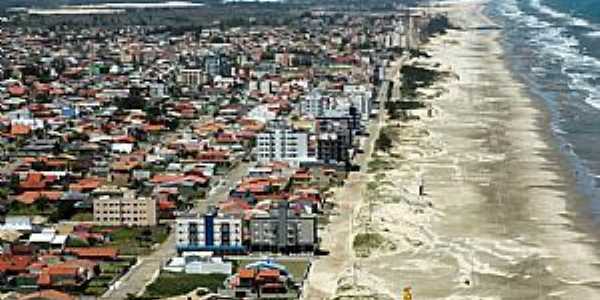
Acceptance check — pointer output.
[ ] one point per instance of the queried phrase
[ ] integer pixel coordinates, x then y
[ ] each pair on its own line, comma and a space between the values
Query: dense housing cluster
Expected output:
212, 142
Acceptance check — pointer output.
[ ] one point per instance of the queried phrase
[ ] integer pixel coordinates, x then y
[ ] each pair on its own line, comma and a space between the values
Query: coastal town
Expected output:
144, 163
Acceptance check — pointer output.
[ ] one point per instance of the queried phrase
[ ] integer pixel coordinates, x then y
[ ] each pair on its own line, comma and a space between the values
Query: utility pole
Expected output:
354, 274
407, 28
370, 212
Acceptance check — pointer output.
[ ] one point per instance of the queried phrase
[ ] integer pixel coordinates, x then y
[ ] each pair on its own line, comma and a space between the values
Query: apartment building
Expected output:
129, 211
362, 101
333, 148
315, 104
345, 125
218, 64
283, 230
281, 143
209, 232
191, 77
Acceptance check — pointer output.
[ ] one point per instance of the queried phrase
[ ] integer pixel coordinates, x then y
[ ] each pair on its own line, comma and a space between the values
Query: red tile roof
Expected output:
35, 180
246, 274
17, 90
86, 184
44, 279
302, 175
153, 128
62, 270
93, 252
15, 263
234, 205
268, 273
80, 263
166, 205
124, 139
47, 295
178, 178
31, 196
19, 129
125, 165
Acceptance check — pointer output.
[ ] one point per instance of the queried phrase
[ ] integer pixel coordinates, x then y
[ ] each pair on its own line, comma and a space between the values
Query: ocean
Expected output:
500, 218
554, 47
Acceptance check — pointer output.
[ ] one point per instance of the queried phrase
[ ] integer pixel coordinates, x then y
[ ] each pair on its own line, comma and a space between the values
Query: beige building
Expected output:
191, 77
134, 211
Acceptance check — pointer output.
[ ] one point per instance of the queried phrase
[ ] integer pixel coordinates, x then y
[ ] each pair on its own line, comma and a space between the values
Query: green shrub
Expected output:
414, 77
77, 242
135, 240
95, 290
365, 243
169, 284
112, 268
384, 142
378, 164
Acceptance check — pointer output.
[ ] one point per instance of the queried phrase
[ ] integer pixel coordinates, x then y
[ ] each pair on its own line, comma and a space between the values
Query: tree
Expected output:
13, 185
77, 242
173, 124
153, 112
64, 210
42, 203
57, 149
38, 166
4, 192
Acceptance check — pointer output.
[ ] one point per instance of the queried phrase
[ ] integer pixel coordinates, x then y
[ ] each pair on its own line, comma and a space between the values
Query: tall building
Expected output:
332, 148
217, 65
361, 97
363, 104
128, 210
191, 77
315, 104
157, 90
209, 232
283, 230
336, 136
281, 143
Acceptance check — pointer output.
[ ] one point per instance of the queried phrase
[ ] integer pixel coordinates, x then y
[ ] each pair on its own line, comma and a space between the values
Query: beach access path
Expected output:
337, 237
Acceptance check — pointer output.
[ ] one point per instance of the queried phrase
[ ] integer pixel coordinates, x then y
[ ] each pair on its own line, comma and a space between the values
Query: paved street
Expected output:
135, 281
137, 278
337, 237
219, 193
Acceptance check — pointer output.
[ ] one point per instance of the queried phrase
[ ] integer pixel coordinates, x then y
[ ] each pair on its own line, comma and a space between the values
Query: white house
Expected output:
17, 223
199, 262
48, 239
261, 113
122, 148
24, 117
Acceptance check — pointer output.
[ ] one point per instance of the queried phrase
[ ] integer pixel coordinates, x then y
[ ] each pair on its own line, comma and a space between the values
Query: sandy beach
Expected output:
497, 218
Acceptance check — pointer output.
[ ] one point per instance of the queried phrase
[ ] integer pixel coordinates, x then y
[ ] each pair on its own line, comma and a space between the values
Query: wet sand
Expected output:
497, 218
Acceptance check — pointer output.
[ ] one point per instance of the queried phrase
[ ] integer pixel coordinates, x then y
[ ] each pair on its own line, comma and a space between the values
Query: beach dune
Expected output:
497, 218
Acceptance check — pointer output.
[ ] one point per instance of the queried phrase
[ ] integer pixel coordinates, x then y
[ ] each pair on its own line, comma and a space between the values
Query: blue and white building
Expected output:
209, 232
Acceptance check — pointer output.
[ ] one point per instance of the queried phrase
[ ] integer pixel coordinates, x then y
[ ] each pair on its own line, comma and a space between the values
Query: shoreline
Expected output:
578, 208
561, 187
499, 217
582, 219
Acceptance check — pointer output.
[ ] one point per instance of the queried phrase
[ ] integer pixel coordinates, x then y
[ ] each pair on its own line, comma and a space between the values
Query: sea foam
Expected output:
570, 19
556, 45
